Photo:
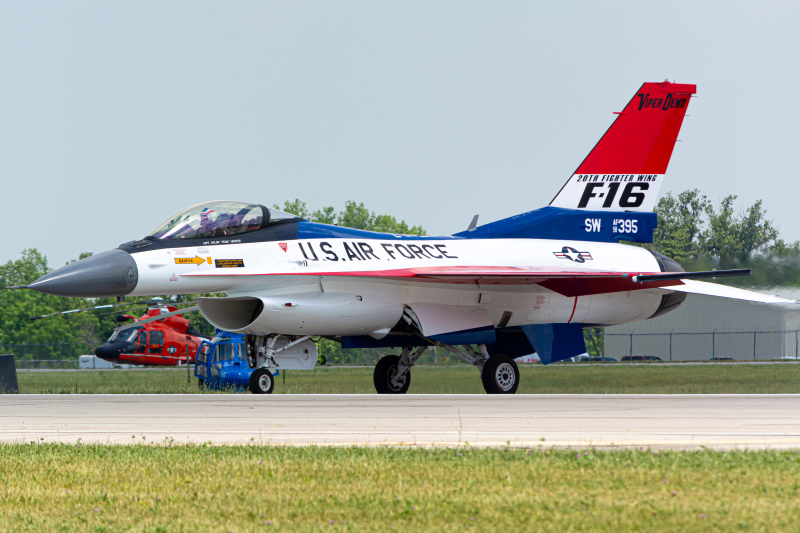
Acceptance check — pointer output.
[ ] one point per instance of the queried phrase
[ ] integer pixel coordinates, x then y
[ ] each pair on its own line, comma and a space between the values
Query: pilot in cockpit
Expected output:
212, 223
217, 219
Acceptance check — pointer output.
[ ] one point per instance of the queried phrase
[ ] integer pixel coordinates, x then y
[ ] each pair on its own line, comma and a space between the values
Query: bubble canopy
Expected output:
221, 218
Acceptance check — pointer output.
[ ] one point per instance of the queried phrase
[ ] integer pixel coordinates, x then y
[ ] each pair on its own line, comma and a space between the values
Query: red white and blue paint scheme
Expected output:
525, 284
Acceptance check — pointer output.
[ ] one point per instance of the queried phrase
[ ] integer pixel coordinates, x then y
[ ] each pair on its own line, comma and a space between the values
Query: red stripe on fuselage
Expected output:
567, 283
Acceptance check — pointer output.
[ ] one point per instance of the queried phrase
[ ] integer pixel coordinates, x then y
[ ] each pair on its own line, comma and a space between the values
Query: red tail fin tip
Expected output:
625, 169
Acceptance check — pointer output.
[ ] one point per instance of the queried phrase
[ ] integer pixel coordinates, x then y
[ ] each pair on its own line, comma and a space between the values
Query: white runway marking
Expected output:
604, 421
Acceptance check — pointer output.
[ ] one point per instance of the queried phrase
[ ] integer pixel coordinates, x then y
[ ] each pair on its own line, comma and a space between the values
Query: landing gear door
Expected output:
301, 356
436, 319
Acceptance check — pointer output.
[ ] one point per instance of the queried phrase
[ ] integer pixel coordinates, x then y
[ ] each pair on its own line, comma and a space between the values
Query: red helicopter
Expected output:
150, 340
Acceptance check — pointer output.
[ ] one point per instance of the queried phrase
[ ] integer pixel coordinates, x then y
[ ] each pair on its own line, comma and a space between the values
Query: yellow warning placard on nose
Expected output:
192, 260
229, 263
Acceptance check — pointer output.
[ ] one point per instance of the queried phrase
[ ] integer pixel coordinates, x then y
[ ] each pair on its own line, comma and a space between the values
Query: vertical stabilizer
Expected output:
625, 169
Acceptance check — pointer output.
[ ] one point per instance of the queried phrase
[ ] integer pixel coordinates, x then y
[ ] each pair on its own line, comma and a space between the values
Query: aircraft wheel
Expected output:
201, 384
321, 360
500, 375
261, 381
385, 371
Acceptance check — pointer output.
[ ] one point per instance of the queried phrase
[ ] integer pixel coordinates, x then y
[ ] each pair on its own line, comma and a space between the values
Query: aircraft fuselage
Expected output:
324, 277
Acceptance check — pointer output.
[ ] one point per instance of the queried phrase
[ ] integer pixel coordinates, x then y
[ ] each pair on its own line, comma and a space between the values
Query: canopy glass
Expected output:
218, 219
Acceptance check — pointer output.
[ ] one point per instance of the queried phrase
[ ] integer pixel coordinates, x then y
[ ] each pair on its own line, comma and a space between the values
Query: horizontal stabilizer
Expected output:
723, 291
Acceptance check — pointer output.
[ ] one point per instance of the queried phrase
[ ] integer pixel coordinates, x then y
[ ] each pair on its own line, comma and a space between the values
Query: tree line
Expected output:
354, 215
689, 227
700, 236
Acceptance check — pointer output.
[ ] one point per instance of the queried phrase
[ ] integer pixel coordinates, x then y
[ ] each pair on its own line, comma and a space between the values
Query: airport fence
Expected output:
737, 345
60, 355
707, 345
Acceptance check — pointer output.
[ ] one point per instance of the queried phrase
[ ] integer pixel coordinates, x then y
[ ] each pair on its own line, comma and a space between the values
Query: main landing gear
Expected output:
392, 374
499, 373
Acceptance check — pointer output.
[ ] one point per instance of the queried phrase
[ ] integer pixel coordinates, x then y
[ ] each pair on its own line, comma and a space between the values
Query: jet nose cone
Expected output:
111, 273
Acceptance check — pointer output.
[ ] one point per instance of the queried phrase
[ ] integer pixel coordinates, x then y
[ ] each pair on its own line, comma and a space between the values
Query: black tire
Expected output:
201, 384
321, 360
261, 381
500, 375
385, 370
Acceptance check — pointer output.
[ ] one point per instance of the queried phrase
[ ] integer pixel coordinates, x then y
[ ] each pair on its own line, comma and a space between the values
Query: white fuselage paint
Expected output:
304, 273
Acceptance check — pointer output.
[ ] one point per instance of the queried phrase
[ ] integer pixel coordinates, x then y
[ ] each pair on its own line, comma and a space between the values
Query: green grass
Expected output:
55, 487
555, 379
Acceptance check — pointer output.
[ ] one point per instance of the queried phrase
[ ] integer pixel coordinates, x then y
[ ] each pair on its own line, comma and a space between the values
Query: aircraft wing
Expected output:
571, 283
723, 291
568, 283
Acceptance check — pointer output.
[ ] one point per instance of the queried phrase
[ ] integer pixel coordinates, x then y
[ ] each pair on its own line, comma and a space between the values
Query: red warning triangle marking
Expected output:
282, 245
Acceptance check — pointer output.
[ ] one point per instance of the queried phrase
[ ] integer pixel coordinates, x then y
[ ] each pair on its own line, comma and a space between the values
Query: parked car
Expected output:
602, 360
722, 359
640, 358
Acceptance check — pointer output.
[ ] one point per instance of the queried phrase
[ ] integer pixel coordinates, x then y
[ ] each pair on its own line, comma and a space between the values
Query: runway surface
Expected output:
578, 421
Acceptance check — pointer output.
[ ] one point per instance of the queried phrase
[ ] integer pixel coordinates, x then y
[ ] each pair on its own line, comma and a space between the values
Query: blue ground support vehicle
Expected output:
221, 362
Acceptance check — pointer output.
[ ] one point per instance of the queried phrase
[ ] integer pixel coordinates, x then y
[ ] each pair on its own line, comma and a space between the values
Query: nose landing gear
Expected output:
261, 381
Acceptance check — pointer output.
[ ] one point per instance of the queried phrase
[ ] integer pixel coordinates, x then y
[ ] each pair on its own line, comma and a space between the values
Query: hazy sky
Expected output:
114, 115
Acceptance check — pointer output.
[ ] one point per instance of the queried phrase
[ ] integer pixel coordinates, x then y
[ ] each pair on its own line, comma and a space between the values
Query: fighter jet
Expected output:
526, 284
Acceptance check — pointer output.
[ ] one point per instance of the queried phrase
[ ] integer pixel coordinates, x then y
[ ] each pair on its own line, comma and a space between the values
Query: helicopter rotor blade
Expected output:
157, 317
140, 308
79, 310
151, 303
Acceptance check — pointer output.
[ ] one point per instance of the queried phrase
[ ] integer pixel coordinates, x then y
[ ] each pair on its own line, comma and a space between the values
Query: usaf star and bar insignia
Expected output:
572, 254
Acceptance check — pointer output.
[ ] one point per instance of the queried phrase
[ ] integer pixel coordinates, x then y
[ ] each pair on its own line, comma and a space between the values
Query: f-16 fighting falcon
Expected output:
526, 284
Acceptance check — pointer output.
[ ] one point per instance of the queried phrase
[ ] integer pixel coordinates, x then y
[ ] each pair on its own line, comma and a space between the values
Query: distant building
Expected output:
705, 326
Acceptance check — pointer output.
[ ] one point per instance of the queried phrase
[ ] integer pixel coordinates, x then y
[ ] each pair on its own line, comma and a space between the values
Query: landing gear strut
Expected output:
392, 374
499, 373
386, 379
263, 354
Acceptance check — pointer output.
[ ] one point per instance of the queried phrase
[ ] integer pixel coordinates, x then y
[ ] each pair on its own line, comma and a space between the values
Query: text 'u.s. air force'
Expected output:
363, 251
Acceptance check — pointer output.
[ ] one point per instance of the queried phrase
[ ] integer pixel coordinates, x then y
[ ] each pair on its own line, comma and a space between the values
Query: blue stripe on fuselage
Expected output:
570, 224
553, 223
